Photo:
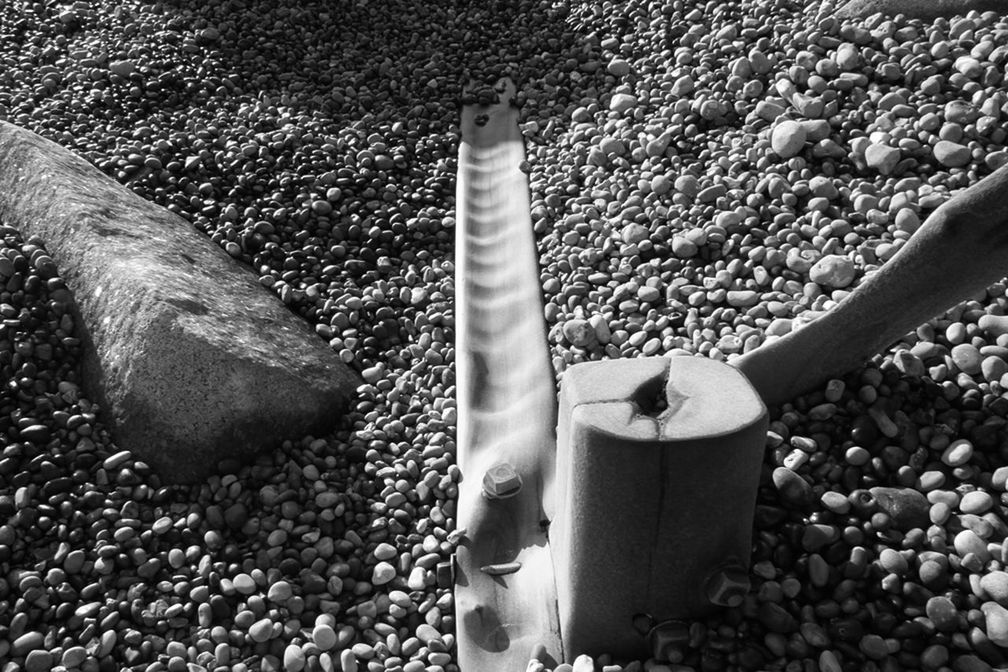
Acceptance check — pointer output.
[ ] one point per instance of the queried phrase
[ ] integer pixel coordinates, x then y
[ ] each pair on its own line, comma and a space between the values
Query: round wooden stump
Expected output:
657, 468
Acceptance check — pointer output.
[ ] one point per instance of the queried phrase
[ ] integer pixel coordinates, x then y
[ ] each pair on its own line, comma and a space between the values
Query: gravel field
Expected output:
704, 177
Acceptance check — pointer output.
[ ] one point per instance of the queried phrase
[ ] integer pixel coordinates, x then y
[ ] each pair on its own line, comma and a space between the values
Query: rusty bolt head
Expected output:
668, 637
728, 586
501, 481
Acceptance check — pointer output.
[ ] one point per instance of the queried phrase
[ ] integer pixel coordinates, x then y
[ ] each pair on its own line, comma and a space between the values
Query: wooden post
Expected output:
658, 462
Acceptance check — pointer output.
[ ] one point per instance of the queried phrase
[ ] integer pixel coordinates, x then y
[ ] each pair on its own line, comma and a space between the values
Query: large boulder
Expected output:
917, 9
191, 360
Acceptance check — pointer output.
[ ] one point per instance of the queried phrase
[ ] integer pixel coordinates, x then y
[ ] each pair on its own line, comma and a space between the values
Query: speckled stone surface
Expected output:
918, 9
191, 360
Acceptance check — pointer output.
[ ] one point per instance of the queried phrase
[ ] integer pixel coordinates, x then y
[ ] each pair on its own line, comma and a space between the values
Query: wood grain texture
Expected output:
652, 498
961, 249
506, 405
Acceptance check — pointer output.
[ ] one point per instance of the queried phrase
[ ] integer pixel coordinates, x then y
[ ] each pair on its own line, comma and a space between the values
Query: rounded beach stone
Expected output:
324, 636
996, 623
29, 641
383, 573
967, 541
280, 591
833, 270
958, 453
123, 68
882, 158
942, 612
995, 584
293, 658
993, 368
976, 502
952, 154
38, 661
967, 358
261, 630
793, 489
684, 248
994, 325
848, 57
618, 67
621, 102
787, 138
578, 332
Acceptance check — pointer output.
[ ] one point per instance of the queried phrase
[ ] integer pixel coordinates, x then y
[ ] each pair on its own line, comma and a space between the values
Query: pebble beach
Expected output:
705, 177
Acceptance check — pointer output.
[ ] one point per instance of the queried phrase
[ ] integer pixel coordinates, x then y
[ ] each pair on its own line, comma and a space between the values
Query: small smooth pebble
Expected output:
995, 584
958, 453
882, 158
383, 573
621, 102
976, 502
996, 623
967, 358
951, 154
967, 541
787, 139
578, 332
293, 658
942, 612
833, 270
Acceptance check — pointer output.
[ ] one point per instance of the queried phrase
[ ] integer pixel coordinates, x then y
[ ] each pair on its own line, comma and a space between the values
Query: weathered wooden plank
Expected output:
505, 594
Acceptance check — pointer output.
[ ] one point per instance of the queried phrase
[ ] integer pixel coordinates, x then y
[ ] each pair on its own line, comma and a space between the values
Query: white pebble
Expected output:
957, 453
951, 154
787, 138
882, 158
833, 270
383, 573
621, 102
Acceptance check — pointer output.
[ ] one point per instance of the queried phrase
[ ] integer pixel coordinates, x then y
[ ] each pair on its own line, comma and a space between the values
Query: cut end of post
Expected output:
667, 398
658, 463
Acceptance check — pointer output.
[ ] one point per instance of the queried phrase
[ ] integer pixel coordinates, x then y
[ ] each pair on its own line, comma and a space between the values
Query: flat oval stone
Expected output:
996, 618
995, 584
968, 541
958, 453
952, 154
942, 612
967, 358
261, 630
293, 658
976, 502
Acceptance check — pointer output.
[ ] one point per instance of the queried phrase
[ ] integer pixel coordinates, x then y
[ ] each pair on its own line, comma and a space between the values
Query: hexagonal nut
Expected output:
668, 637
501, 481
728, 586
